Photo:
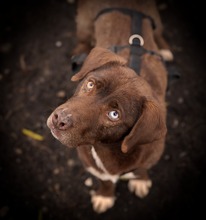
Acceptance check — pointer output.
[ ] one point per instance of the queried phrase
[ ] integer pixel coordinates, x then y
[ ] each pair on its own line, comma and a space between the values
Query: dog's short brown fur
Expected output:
116, 119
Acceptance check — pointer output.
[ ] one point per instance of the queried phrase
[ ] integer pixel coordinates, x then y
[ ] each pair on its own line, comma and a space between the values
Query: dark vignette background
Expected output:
45, 180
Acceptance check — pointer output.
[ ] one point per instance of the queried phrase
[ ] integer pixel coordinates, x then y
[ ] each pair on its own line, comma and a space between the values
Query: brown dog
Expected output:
117, 117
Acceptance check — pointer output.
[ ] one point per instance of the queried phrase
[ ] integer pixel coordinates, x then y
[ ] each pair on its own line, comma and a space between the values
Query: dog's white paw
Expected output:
140, 187
102, 203
166, 54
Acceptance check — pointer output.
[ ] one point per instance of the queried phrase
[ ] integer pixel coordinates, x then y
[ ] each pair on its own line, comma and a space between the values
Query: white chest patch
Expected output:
105, 175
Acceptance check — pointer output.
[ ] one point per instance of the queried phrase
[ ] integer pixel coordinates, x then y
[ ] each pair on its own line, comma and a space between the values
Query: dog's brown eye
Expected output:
90, 85
113, 115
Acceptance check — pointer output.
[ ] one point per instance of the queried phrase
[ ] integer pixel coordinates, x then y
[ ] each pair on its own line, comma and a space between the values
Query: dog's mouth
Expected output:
55, 132
64, 137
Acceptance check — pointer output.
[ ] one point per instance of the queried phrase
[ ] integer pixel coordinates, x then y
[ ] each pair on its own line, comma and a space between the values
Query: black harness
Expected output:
135, 45
136, 41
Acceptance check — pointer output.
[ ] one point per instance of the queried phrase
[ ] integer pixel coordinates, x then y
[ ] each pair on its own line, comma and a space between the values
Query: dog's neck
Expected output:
106, 153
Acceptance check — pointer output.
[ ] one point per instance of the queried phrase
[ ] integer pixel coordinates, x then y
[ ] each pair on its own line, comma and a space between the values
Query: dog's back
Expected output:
87, 10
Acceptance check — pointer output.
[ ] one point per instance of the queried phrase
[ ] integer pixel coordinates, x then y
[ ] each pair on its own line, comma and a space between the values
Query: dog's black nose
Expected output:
61, 119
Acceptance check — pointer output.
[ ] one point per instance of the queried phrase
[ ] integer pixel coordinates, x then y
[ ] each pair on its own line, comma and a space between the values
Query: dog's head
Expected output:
112, 104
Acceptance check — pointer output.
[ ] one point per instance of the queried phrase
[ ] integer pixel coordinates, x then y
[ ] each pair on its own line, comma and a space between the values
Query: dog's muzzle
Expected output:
61, 119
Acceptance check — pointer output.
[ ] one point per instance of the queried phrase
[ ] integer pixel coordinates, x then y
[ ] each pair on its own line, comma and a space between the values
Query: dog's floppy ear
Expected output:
97, 58
149, 127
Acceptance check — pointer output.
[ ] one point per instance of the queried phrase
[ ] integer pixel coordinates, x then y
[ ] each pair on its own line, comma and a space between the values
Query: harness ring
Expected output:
132, 37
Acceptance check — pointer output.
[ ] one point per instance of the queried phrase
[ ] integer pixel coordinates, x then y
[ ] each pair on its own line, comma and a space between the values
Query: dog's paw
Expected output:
140, 187
102, 203
166, 54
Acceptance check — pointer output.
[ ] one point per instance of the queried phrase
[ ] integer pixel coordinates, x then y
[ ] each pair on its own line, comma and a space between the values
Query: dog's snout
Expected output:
61, 119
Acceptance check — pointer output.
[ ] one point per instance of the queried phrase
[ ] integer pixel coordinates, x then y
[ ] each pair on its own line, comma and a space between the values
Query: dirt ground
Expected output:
44, 180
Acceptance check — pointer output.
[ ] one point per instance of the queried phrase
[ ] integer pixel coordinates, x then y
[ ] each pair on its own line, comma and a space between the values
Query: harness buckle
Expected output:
136, 36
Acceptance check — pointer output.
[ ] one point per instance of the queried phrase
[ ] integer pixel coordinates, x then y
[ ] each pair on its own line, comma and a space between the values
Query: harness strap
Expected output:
127, 11
136, 41
140, 52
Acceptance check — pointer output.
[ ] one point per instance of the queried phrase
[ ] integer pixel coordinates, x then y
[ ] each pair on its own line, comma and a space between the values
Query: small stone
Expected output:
56, 171
182, 154
61, 94
88, 182
180, 100
57, 187
175, 123
70, 163
58, 44
70, 1
18, 151
167, 157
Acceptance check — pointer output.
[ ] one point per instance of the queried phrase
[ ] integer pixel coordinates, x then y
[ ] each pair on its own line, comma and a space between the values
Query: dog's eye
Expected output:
113, 115
90, 85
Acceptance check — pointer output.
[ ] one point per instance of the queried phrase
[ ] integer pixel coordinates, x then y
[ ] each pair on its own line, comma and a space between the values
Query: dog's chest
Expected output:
105, 175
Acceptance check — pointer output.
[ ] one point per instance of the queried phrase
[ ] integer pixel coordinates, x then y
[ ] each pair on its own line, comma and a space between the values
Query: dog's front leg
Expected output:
141, 184
103, 198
